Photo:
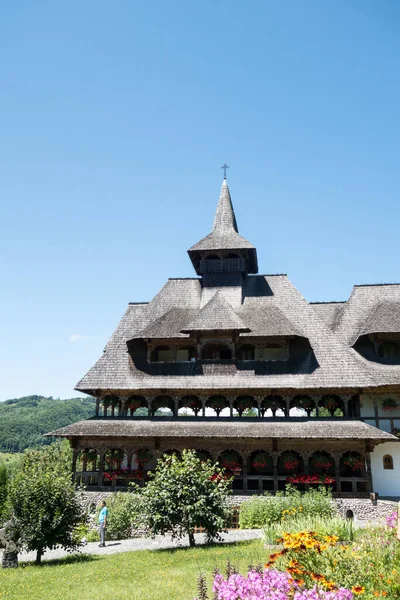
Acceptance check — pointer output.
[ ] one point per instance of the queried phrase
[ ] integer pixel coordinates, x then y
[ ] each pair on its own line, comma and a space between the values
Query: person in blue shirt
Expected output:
103, 516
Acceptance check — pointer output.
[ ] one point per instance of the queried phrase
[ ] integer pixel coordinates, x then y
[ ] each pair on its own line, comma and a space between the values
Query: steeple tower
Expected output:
224, 250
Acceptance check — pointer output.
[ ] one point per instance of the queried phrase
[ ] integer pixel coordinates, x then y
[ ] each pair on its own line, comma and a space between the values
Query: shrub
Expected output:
261, 510
184, 493
125, 511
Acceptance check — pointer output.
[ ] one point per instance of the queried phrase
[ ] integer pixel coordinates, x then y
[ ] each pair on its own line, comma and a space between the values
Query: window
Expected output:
389, 350
162, 354
246, 353
217, 352
387, 461
185, 354
271, 352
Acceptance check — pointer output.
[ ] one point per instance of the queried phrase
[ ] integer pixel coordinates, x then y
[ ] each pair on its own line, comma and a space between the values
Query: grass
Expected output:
141, 575
9, 458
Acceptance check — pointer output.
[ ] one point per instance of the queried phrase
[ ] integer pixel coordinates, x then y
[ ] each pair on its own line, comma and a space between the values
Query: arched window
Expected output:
161, 354
217, 352
388, 461
246, 353
186, 354
271, 352
389, 350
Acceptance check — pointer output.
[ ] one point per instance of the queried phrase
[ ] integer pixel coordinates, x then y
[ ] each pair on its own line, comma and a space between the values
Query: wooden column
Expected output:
336, 456
203, 405
97, 406
149, 407
244, 456
75, 453
176, 406
275, 458
376, 411
259, 400
368, 451
230, 406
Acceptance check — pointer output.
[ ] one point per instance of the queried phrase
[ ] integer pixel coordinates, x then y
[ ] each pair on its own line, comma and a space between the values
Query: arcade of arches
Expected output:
255, 467
268, 405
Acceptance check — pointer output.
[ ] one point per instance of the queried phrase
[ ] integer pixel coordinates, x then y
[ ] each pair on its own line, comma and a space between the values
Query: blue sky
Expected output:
115, 118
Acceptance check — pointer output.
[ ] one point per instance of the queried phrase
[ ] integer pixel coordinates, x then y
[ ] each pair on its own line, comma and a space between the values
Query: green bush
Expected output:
262, 510
124, 510
184, 493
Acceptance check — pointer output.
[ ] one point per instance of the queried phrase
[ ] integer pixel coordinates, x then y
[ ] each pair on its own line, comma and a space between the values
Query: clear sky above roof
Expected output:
115, 119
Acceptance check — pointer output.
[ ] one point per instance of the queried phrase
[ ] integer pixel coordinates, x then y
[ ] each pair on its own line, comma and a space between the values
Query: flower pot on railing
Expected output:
262, 461
143, 456
389, 405
331, 404
322, 462
290, 461
231, 467
311, 479
356, 463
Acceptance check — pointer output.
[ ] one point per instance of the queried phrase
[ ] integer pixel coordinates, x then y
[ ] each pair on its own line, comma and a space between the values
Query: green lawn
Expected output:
142, 575
8, 457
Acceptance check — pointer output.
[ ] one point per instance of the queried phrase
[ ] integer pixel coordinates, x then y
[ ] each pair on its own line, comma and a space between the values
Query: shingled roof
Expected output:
383, 318
216, 315
255, 306
339, 366
224, 428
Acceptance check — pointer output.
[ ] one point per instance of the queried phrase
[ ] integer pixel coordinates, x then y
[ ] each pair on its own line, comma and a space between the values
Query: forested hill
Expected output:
23, 421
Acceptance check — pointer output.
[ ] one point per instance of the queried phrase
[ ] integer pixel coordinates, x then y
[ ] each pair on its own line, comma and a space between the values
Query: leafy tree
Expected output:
184, 493
44, 501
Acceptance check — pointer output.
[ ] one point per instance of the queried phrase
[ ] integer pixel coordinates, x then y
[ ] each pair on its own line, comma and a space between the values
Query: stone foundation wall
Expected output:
365, 509
362, 508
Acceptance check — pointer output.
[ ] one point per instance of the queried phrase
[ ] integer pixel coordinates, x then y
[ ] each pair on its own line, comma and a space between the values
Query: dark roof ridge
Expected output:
329, 302
135, 303
184, 278
374, 284
270, 275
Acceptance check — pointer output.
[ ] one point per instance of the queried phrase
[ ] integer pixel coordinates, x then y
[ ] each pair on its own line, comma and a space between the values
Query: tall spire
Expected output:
224, 243
225, 216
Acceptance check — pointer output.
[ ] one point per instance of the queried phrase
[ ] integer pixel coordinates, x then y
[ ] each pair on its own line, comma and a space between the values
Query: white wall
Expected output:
386, 482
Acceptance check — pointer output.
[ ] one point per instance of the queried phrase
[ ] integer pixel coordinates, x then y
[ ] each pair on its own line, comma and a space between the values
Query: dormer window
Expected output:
162, 354
271, 352
246, 353
389, 350
185, 354
217, 352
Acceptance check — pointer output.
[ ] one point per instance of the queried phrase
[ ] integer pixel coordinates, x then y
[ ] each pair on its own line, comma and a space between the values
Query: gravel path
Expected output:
235, 535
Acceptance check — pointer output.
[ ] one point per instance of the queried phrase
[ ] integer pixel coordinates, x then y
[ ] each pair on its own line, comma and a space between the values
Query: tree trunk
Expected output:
39, 554
192, 541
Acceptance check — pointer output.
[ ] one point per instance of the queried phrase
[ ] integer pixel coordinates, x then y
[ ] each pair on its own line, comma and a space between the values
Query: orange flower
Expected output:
299, 581
358, 589
293, 563
316, 577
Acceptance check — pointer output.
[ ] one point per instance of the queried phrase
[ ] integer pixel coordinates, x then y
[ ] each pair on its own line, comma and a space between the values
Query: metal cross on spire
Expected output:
225, 167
